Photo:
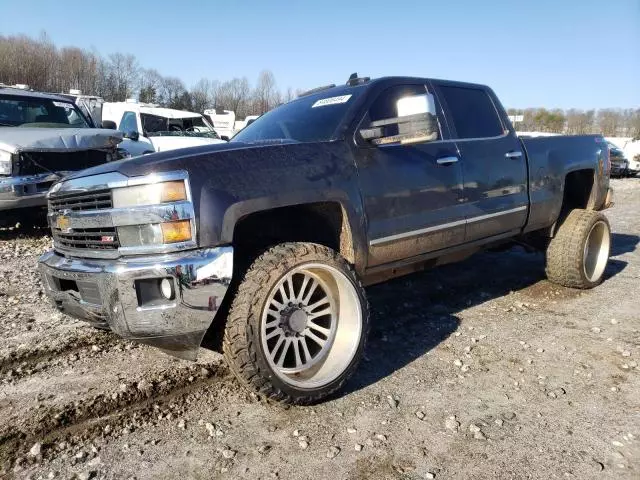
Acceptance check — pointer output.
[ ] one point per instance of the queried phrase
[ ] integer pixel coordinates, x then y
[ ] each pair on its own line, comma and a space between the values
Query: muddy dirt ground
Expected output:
479, 370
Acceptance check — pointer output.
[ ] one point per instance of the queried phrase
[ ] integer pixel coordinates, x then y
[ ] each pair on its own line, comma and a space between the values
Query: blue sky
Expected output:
562, 53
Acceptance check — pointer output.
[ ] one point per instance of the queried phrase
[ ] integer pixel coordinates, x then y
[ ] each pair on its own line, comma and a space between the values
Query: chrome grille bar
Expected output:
101, 239
97, 200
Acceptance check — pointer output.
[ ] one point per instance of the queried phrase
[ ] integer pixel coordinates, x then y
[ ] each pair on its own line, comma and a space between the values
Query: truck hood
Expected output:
162, 144
181, 159
18, 139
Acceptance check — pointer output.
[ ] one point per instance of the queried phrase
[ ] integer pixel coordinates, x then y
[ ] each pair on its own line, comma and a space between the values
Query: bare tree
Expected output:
608, 121
289, 95
149, 84
265, 91
234, 95
171, 91
123, 70
580, 122
203, 94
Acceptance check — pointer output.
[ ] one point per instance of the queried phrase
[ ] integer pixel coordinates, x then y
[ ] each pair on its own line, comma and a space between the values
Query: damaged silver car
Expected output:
43, 137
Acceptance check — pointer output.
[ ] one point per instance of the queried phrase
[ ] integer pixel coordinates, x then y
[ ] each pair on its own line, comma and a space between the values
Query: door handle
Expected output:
446, 160
513, 154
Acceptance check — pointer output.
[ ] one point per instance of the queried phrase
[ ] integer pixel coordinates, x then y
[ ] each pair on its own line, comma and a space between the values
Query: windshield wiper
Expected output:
2, 124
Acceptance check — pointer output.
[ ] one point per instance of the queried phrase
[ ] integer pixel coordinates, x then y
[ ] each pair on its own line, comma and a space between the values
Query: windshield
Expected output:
315, 118
157, 126
25, 111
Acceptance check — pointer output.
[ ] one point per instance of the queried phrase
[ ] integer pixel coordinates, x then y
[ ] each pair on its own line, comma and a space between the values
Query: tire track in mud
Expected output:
28, 358
133, 407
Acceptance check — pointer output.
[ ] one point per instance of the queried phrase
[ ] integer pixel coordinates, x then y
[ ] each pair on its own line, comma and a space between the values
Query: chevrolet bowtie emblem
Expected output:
63, 223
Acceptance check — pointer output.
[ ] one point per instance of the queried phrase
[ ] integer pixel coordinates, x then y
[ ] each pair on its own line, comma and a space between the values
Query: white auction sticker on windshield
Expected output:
331, 101
63, 105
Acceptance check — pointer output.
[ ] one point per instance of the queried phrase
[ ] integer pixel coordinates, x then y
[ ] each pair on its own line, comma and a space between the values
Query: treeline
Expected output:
608, 121
116, 77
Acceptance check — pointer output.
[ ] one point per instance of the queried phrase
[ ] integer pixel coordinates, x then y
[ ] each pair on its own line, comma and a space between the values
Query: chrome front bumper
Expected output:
124, 294
25, 192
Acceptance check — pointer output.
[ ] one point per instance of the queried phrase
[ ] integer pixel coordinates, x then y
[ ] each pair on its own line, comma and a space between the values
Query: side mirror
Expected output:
109, 124
416, 123
224, 137
132, 135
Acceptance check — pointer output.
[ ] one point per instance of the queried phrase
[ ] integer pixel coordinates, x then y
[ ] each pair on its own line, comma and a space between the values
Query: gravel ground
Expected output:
481, 369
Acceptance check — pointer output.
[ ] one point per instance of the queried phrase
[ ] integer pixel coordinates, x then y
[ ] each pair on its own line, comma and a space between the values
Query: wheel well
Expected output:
325, 223
578, 186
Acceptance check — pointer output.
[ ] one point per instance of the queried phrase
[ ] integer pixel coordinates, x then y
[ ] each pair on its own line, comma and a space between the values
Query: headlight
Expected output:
5, 163
140, 235
152, 194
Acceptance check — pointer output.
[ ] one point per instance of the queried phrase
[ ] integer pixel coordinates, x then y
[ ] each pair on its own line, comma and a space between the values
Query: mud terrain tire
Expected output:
267, 309
578, 254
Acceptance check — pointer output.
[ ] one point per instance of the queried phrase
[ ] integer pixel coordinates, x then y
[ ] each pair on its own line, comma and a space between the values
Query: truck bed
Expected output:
550, 159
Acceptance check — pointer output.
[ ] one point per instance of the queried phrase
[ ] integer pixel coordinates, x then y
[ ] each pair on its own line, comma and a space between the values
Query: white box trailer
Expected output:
225, 123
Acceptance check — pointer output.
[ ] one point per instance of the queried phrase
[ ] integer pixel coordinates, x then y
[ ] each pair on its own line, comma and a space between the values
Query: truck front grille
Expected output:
88, 238
96, 200
32, 163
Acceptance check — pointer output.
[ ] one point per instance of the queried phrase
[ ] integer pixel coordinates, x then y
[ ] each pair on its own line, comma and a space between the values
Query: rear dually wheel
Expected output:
578, 254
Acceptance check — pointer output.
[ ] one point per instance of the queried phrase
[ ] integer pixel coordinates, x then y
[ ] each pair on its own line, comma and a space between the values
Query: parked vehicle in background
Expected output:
43, 137
619, 163
148, 128
631, 149
240, 124
90, 105
268, 239
634, 165
225, 122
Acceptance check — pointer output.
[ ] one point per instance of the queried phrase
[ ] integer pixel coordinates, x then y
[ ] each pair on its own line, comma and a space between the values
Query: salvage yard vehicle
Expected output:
619, 163
148, 128
265, 242
225, 122
43, 137
90, 105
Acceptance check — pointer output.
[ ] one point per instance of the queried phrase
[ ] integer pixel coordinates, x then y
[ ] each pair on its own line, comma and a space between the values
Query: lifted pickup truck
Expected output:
42, 138
266, 242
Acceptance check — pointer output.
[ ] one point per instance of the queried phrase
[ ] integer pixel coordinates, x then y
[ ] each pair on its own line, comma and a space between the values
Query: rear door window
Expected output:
472, 112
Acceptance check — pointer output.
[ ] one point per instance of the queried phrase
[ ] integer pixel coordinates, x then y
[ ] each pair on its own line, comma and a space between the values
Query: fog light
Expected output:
166, 288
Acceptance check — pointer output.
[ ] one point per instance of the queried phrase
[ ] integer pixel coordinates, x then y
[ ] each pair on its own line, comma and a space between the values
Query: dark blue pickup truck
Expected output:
265, 243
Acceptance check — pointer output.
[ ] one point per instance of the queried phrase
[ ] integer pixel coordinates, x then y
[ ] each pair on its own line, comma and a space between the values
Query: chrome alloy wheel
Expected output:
311, 325
596, 251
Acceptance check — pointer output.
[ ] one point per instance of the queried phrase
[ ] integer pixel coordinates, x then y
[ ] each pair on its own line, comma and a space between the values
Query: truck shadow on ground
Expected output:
622, 243
412, 315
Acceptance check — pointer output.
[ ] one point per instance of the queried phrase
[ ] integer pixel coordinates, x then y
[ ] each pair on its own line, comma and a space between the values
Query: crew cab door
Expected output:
411, 192
494, 166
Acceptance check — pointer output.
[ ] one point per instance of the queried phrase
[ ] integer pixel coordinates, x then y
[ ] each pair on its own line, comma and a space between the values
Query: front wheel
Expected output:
578, 254
298, 324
